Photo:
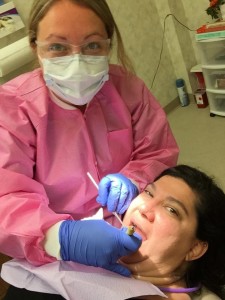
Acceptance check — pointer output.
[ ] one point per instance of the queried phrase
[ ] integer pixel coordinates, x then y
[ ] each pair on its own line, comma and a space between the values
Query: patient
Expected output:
181, 218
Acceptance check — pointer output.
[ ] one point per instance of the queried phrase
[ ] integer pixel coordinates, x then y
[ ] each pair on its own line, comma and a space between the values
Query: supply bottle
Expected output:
184, 101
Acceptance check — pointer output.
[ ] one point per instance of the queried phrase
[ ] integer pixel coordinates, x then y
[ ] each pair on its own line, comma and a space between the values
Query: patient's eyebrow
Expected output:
152, 185
172, 199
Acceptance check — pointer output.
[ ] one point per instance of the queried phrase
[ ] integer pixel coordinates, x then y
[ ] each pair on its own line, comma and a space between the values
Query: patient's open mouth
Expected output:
138, 230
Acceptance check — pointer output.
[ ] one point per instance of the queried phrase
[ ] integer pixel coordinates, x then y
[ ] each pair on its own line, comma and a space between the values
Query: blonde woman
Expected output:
76, 114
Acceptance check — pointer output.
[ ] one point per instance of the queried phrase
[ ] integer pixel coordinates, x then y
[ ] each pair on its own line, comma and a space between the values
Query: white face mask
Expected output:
76, 78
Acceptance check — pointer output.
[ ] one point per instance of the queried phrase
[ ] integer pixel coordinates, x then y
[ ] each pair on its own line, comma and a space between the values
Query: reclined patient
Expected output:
181, 218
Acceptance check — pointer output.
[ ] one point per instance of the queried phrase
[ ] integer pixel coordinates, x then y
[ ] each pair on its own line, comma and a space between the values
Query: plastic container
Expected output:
214, 78
217, 103
212, 51
184, 100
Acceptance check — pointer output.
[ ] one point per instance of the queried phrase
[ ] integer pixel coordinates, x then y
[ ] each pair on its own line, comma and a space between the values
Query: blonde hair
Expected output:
100, 7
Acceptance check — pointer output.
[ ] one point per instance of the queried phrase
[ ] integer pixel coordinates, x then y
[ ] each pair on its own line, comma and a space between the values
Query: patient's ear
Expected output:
198, 249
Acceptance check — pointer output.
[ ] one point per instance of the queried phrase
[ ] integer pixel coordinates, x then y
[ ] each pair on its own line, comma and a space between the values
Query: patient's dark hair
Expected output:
209, 270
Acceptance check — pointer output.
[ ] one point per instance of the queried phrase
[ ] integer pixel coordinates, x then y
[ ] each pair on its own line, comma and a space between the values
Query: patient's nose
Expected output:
147, 212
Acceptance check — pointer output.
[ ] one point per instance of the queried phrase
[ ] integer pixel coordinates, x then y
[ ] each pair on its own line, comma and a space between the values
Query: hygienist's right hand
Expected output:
97, 243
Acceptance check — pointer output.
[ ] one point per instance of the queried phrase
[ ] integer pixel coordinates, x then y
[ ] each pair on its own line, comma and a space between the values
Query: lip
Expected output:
137, 222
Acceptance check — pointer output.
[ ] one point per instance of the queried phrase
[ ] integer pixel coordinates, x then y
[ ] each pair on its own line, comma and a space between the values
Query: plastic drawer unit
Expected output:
212, 54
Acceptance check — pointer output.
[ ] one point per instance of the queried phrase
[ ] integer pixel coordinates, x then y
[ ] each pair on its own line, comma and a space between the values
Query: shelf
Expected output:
210, 40
215, 91
197, 68
213, 66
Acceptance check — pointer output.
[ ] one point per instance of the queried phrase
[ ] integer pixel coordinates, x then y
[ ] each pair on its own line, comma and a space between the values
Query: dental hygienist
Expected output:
76, 114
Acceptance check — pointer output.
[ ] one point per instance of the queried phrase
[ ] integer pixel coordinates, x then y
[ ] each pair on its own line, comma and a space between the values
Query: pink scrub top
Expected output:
46, 152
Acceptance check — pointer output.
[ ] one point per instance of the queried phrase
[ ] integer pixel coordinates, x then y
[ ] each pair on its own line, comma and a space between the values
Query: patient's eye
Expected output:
149, 193
172, 210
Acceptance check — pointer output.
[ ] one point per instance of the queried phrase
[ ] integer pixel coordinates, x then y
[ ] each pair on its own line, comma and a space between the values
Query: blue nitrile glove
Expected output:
116, 192
96, 243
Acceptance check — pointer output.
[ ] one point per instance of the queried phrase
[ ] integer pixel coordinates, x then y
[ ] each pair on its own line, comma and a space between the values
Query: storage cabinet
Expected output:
212, 53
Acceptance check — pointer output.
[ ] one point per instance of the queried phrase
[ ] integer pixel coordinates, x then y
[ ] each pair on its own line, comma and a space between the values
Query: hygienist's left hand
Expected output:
116, 192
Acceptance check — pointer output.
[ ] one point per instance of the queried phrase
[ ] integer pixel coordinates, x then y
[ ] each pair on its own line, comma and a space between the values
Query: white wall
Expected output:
141, 24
